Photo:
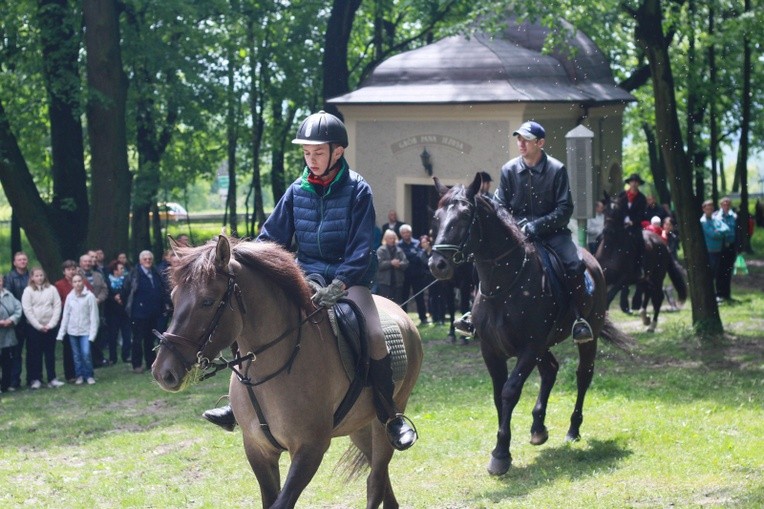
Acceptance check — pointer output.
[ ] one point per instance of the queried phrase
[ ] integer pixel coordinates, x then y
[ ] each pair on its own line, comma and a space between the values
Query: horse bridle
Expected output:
459, 256
169, 340
211, 368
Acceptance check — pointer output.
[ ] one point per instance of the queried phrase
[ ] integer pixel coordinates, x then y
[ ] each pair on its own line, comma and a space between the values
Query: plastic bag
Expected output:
740, 267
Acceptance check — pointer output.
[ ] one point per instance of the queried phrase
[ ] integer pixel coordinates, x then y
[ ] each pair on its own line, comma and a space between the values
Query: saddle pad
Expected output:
393, 338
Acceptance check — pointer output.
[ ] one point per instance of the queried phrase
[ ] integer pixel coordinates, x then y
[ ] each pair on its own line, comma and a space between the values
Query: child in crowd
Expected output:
10, 314
42, 308
80, 322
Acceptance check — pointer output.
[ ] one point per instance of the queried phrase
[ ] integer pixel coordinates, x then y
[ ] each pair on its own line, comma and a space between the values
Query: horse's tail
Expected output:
616, 336
352, 463
676, 274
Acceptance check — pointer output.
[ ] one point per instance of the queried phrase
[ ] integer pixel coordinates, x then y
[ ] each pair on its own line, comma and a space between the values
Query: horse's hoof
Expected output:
499, 466
572, 437
645, 318
539, 437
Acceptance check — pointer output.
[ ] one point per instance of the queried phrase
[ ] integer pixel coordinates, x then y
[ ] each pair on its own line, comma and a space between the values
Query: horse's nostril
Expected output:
441, 265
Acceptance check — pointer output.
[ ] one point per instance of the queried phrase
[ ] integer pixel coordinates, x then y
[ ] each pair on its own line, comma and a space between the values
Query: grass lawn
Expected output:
676, 423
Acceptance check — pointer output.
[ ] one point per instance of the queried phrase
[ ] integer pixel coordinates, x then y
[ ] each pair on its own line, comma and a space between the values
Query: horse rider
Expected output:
329, 211
534, 188
634, 204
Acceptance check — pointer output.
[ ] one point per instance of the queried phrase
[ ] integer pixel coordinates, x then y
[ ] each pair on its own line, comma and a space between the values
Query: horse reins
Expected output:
210, 368
462, 257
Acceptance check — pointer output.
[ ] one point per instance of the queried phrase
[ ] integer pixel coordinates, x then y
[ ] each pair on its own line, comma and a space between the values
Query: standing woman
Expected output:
80, 321
117, 321
392, 267
42, 308
10, 314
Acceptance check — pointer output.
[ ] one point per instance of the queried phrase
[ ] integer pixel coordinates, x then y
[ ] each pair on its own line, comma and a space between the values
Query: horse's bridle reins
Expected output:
207, 365
459, 255
210, 368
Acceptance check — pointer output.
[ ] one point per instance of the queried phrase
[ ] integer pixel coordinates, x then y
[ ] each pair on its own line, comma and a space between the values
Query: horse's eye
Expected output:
208, 302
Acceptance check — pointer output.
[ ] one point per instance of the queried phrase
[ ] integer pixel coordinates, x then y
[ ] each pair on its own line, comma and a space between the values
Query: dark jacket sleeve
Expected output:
359, 249
279, 227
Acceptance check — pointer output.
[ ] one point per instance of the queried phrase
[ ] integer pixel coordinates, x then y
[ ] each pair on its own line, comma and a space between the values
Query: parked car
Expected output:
172, 211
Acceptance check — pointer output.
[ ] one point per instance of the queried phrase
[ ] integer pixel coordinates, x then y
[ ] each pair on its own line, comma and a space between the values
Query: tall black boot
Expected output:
222, 416
399, 432
582, 331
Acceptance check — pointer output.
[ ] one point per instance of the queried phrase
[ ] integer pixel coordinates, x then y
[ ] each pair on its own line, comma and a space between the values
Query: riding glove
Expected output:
529, 229
329, 295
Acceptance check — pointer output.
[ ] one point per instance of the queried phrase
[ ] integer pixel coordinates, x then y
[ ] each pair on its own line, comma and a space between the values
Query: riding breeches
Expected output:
562, 244
363, 298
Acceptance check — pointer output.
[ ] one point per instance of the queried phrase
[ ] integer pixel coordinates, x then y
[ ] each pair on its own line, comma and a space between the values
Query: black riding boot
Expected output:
222, 416
582, 331
401, 435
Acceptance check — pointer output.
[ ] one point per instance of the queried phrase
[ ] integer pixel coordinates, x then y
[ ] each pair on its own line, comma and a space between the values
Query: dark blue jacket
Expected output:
144, 300
332, 230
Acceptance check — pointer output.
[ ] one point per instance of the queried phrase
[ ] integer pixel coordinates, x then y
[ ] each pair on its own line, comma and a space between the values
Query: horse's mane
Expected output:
506, 220
197, 266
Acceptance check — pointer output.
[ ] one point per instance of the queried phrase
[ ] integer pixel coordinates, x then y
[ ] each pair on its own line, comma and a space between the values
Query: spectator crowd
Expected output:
100, 313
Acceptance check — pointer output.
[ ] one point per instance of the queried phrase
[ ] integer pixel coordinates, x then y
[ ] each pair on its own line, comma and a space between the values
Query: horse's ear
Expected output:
223, 253
606, 196
440, 187
172, 242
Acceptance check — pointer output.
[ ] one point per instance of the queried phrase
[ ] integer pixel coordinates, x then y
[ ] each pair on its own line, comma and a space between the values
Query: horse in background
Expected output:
615, 254
516, 313
288, 378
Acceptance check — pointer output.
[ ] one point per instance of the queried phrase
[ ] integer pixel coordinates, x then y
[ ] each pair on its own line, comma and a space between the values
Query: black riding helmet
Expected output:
320, 128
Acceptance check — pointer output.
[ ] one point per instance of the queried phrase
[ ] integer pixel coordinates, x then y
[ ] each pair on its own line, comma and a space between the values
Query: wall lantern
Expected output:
426, 162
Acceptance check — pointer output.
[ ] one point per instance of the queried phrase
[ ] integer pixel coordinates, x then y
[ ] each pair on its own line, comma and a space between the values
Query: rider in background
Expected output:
329, 212
633, 204
535, 189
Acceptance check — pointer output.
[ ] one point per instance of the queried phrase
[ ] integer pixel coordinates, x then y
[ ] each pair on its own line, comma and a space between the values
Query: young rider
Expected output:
329, 212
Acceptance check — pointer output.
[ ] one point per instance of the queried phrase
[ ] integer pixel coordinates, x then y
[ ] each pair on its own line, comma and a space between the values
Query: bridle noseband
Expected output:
168, 340
459, 255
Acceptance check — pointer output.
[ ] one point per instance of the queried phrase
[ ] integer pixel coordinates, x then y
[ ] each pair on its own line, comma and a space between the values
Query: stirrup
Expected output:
394, 435
464, 324
580, 340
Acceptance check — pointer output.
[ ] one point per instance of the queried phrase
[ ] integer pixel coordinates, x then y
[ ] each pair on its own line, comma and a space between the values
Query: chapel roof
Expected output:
509, 67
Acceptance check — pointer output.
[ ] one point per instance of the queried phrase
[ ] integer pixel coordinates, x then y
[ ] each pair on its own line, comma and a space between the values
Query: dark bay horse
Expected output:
285, 390
616, 253
515, 314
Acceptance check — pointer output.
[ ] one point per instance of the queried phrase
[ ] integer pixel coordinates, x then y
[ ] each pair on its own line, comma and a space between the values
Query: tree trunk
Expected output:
741, 169
649, 34
335, 63
232, 137
23, 197
657, 168
256, 106
713, 142
106, 110
60, 50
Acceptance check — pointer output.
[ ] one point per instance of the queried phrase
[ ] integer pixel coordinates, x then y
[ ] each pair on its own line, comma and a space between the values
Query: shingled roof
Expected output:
483, 69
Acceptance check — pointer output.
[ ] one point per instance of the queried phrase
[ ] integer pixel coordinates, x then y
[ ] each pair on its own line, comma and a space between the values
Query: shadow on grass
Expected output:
565, 461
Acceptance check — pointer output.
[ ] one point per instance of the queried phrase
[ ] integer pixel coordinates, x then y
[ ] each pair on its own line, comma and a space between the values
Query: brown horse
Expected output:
615, 254
515, 312
288, 377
